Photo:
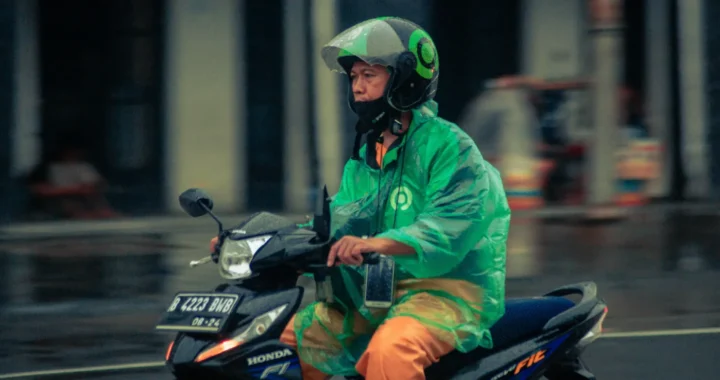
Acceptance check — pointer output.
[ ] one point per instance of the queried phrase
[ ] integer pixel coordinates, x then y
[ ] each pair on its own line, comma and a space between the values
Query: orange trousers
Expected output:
401, 348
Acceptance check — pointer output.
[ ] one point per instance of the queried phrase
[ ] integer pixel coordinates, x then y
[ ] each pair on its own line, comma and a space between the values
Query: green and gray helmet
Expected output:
398, 44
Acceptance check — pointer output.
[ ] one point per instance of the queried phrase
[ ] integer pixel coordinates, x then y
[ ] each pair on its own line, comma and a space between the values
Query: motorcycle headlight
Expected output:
236, 255
257, 327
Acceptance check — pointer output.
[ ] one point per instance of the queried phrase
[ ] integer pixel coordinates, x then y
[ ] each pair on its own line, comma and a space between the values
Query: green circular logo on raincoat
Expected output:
401, 198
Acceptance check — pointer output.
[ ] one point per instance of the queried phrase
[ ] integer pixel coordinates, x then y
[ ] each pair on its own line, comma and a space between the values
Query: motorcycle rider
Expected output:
423, 194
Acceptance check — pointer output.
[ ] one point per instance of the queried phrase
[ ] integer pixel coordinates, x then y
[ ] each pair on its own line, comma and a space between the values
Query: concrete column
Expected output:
657, 88
8, 43
205, 109
26, 144
327, 97
711, 11
692, 97
607, 48
297, 101
25, 139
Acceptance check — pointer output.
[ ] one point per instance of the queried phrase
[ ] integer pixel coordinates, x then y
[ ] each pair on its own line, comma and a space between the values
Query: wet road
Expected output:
658, 358
73, 302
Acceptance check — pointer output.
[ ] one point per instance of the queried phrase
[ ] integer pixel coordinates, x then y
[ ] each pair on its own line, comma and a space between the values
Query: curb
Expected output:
182, 223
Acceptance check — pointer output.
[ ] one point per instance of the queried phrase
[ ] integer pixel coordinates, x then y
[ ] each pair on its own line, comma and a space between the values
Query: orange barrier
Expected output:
637, 163
524, 189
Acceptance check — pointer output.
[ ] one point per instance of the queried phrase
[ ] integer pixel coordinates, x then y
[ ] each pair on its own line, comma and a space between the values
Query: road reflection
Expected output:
74, 302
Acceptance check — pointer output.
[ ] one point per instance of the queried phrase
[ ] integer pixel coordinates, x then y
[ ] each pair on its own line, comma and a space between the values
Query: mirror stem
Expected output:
219, 223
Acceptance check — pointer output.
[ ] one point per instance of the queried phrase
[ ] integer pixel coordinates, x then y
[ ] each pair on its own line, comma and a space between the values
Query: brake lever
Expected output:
215, 254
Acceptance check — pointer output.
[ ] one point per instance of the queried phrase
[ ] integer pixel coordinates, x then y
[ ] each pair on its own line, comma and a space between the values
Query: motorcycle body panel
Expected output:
535, 337
251, 357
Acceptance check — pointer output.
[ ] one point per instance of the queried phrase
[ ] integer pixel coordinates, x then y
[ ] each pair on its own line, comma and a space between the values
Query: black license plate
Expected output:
199, 312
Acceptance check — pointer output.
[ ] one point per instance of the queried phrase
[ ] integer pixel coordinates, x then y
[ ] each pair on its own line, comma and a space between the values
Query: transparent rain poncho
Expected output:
450, 206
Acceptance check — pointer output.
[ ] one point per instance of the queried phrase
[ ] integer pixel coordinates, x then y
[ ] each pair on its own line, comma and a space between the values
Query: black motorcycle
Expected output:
233, 331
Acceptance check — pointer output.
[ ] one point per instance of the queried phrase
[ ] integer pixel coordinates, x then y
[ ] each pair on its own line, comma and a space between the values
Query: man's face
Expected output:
368, 82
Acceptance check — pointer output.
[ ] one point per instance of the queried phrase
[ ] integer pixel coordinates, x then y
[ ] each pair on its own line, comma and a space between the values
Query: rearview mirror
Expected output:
195, 202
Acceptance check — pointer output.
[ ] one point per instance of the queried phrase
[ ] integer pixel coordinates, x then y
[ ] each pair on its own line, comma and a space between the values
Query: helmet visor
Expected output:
374, 41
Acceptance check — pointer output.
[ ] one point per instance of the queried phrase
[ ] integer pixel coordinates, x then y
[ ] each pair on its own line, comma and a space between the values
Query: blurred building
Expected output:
230, 95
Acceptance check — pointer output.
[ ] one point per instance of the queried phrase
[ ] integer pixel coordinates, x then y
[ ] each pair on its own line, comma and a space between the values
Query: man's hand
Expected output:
213, 243
349, 250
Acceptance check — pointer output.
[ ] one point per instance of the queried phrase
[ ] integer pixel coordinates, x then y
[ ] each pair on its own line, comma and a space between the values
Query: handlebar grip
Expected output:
371, 258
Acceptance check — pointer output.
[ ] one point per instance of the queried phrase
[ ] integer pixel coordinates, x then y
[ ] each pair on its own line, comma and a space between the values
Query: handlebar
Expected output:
371, 258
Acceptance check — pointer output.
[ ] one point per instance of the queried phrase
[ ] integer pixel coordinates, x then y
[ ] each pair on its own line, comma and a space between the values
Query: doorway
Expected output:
477, 41
101, 65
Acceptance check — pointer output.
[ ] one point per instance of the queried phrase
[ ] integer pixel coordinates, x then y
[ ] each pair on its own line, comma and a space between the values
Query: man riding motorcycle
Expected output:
420, 192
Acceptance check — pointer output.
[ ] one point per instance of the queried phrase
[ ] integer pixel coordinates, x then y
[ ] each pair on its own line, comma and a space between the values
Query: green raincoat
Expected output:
437, 195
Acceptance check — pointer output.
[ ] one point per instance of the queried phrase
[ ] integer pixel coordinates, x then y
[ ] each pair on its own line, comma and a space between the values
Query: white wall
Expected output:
297, 100
556, 46
328, 97
205, 116
554, 37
